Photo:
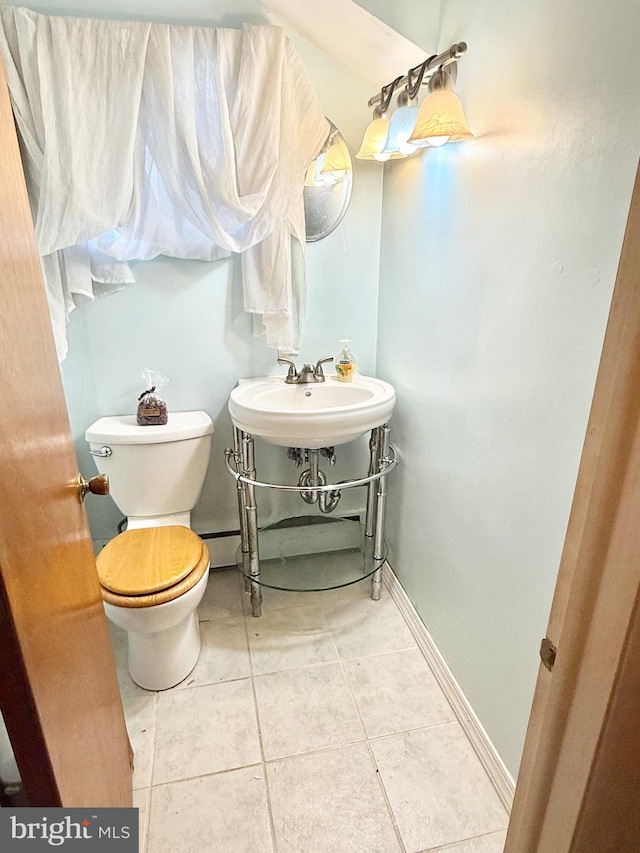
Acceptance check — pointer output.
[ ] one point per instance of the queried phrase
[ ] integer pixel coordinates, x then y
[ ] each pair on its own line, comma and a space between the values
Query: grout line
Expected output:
155, 738
413, 648
319, 751
315, 665
453, 844
177, 689
147, 823
265, 778
316, 751
386, 798
379, 654
415, 729
383, 790
206, 775
353, 699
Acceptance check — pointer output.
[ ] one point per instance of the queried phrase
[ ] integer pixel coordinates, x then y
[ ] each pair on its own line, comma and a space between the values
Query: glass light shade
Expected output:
441, 117
337, 162
400, 128
374, 140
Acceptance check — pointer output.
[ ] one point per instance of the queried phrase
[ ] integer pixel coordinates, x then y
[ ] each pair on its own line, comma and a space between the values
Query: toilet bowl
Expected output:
153, 575
152, 581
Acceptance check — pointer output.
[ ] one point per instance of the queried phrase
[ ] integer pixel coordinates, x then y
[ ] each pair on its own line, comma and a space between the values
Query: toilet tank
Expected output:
153, 470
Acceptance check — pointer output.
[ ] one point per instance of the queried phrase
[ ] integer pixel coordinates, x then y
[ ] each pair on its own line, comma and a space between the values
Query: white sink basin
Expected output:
315, 414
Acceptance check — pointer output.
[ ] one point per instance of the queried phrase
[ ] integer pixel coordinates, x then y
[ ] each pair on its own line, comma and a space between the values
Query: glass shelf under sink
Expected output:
313, 553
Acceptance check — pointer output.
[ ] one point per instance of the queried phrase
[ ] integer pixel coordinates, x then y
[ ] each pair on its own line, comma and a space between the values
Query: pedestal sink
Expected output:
310, 415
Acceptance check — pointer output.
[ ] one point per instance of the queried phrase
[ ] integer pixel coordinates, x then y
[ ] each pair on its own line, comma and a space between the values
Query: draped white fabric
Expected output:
144, 139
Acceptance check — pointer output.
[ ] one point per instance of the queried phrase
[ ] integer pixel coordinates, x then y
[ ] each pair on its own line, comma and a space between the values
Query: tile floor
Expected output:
318, 728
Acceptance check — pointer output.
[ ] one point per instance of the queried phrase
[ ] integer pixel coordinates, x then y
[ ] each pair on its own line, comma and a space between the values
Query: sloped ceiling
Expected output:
350, 35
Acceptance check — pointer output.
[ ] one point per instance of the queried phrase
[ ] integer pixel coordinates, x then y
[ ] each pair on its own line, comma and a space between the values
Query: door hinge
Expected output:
548, 653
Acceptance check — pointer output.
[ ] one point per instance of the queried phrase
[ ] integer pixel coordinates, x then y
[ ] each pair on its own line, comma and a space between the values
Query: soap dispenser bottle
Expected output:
345, 363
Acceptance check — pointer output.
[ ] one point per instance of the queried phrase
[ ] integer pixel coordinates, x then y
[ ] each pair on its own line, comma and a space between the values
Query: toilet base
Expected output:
163, 640
162, 660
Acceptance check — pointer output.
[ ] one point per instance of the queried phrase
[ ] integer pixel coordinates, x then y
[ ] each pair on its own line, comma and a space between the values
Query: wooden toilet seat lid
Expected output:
148, 560
165, 595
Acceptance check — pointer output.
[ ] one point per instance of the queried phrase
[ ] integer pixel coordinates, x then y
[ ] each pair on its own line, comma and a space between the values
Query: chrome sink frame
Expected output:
240, 462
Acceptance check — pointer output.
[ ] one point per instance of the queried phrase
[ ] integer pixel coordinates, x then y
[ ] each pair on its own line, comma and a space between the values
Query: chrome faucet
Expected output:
308, 373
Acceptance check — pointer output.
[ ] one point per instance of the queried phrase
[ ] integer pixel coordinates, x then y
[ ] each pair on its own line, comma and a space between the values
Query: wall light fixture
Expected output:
375, 136
403, 120
440, 118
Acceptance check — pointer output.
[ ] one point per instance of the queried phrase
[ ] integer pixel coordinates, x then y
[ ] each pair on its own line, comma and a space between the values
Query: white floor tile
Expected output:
198, 743
140, 708
301, 710
204, 730
224, 655
286, 639
362, 626
223, 596
330, 802
396, 692
493, 843
141, 799
438, 790
224, 813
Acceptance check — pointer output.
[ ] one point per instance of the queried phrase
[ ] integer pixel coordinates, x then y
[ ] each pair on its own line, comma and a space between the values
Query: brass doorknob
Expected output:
98, 485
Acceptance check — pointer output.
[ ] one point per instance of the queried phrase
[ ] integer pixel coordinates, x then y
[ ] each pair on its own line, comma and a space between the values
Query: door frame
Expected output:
578, 788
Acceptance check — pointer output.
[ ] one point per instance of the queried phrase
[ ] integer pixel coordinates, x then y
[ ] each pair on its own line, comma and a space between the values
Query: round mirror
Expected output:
327, 187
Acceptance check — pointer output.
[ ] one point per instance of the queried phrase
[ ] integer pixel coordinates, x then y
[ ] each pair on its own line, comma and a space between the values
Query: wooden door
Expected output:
578, 788
58, 690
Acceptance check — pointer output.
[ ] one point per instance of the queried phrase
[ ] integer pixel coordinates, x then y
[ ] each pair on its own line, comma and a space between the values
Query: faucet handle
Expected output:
318, 372
292, 373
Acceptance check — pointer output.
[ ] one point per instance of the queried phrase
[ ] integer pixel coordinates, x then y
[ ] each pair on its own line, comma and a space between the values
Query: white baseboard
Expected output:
281, 542
223, 550
98, 545
494, 766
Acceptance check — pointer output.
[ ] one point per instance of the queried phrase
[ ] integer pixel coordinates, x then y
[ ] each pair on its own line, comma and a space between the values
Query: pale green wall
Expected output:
417, 21
498, 262
185, 318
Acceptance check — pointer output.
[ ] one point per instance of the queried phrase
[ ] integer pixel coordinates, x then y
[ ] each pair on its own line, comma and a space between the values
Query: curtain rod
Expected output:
451, 55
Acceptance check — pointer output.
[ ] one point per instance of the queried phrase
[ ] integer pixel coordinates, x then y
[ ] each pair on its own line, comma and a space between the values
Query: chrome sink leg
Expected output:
251, 517
372, 488
378, 542
244, 533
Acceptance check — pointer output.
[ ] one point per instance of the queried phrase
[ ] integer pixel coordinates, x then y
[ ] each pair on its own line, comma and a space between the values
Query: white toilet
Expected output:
154, 575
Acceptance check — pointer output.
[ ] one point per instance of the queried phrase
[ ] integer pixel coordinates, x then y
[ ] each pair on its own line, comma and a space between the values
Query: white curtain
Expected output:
145, 139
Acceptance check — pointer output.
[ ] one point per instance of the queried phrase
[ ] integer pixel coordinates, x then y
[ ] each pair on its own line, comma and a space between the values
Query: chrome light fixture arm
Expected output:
453, 54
